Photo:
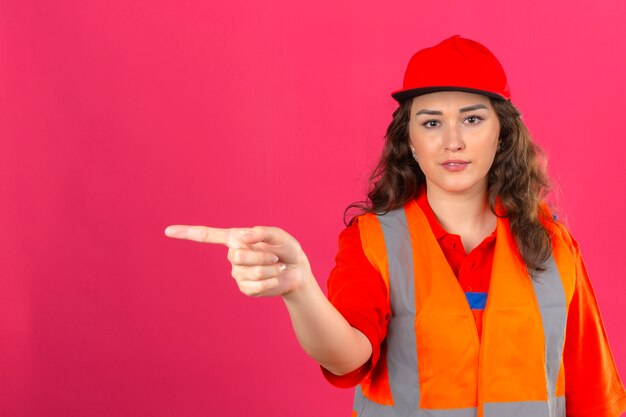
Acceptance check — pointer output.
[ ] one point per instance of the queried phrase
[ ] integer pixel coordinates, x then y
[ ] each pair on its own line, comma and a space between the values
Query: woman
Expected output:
454, 227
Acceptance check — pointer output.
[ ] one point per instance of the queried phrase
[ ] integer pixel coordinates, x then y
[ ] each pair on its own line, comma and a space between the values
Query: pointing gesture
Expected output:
266, 261
269, 261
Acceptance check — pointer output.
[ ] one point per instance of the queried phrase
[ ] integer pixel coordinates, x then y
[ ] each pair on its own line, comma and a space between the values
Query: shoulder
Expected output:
558, 231
561, 234
350, 235
361, 229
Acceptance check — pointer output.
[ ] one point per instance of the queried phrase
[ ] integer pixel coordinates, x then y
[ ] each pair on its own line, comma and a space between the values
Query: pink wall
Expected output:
118, 118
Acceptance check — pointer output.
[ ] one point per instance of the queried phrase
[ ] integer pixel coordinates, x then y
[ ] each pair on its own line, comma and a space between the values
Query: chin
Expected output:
459, 186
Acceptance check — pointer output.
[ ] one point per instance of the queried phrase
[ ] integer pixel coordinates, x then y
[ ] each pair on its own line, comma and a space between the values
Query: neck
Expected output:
462, 213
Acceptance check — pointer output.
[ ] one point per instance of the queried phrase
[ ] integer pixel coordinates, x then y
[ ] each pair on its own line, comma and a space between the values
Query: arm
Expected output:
593, 387
323, 332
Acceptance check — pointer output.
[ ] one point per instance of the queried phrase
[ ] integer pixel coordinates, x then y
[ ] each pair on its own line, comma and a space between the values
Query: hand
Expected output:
267, 261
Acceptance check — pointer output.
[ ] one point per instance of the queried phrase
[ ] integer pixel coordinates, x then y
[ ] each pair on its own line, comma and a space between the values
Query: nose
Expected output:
453, 140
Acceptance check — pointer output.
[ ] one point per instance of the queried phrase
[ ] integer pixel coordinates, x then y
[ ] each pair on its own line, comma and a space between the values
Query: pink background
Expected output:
118, 118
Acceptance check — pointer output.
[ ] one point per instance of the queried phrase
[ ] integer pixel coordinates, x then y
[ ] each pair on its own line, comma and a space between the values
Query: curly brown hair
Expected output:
518, 176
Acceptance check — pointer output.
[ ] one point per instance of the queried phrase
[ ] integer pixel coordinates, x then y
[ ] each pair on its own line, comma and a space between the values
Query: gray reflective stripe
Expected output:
365, 407
553, 307
401, 349
558, 406
401, 339
450, 412
527, 408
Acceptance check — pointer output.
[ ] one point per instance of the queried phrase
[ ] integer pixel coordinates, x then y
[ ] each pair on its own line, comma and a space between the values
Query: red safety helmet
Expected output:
454, 64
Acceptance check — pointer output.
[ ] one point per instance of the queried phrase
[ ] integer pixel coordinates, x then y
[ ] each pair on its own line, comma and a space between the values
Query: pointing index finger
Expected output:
202, 234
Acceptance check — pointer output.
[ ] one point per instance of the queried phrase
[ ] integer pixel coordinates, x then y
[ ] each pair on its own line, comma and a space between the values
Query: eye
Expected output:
474, 119
430, 123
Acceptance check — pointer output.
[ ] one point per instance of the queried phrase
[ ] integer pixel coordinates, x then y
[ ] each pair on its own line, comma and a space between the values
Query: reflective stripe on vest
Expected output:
435, 365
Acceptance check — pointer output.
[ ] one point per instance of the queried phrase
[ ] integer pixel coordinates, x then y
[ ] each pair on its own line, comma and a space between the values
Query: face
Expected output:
455, 137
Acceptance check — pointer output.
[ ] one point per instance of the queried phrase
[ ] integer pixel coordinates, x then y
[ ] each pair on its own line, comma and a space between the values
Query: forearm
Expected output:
323, 332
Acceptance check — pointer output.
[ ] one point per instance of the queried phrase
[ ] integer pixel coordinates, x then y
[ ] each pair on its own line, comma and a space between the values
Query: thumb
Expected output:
276, 241
266, 234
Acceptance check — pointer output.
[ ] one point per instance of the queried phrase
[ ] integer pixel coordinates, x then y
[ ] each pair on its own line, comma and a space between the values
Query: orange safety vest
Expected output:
432, 363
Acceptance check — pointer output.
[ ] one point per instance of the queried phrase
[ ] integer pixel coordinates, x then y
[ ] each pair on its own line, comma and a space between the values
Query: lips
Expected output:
455, 162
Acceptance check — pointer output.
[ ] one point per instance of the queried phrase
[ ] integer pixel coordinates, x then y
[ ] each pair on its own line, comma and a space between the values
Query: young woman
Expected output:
456, 292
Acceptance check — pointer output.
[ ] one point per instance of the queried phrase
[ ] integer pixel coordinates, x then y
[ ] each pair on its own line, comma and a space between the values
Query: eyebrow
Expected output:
462, 110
